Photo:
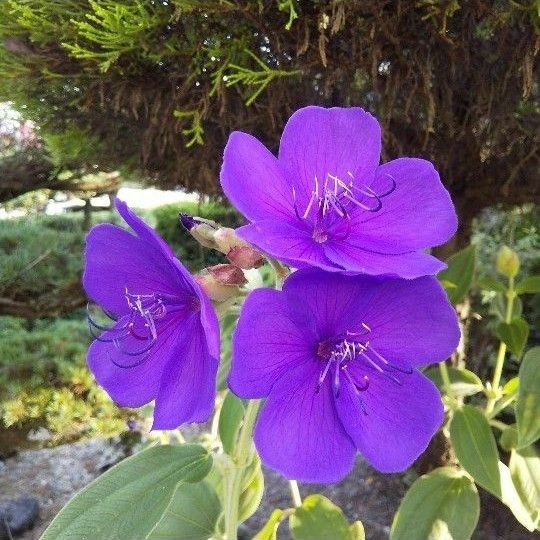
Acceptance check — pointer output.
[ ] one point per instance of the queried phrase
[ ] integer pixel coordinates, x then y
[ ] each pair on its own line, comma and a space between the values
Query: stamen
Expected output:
335, 198
352, 346
143, 312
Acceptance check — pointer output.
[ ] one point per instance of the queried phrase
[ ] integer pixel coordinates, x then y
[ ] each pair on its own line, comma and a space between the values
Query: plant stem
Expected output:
295, 493
242, 456
445, 376
499, 363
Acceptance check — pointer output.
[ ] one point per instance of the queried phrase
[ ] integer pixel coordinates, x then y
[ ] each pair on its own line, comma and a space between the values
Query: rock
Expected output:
18, 515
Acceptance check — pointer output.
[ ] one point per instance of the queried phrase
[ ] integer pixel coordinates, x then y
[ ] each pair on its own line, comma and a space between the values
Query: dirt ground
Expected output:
54, 475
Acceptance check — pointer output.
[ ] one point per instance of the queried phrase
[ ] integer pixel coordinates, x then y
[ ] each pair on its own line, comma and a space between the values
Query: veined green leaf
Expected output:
460, 273
192, 514
475, 447
320, 519
129, 499
529, 284
514, 335
230, 418
528, 403
443, 504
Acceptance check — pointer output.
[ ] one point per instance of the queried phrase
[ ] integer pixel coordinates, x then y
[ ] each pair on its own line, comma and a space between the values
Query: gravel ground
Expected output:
53, 475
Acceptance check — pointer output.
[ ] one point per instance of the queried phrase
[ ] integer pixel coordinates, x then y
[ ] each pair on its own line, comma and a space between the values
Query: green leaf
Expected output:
475, 447
253, 490
498, 306
356, 531
230, 418
129, 499
508, 438
528, 402
462, 381
319, 519
192, 514
460, 273
511, 387
514, 334
228, 324
491, 284
269, 531
524, 468
529, 284
512, 498
441, 504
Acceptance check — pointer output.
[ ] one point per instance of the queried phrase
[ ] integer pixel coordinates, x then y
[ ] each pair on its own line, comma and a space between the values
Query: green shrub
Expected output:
187, 249
44, 381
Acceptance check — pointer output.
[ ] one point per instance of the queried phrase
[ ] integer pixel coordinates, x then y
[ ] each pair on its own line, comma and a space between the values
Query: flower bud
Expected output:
245, 257
228, 274
221, 282
507, 262
201, 229
226, 239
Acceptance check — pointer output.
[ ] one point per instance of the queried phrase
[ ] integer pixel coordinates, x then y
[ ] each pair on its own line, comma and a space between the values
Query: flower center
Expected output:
145, 317
350, 348
331, 202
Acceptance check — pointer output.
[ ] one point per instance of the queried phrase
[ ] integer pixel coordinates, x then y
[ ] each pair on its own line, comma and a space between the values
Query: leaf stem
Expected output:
242, 455
499, 363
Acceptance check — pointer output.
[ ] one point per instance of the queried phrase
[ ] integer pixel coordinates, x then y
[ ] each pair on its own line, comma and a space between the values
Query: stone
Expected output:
18, 515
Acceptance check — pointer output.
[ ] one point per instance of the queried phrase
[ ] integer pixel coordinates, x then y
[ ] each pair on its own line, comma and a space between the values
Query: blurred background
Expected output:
137, 98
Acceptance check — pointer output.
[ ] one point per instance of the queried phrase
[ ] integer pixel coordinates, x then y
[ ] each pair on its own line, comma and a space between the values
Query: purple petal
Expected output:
336, 301
135, 386
188, 384
290, 244
399, 422
116, 260
338, 141
298, 432
254, 181
266, 344
412, 321
355, 258
149, 235
417, 214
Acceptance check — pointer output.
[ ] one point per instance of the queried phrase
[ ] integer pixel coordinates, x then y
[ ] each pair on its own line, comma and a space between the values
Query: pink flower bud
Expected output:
228, 274
245, 257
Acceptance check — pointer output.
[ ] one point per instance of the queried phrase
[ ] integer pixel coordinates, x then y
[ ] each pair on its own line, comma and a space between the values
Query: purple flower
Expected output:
326, 201
336, 358
164, 344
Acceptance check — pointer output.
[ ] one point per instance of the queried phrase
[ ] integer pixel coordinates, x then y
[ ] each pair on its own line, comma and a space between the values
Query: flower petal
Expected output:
298, 432
254, 181
335, 301
355, 258
417, 214
399, 421
266, 344
317, 141
290, 244
149, 235
188, 384
130, 386
412, 322
116, 260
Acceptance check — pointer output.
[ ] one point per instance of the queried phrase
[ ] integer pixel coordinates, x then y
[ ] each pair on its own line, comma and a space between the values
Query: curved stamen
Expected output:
118, 344
406, 370
138, 362
392, 188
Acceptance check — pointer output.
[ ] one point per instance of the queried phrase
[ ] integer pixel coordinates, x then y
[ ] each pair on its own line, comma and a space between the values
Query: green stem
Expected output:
445, 376
499, 363
295, 493
242, 455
